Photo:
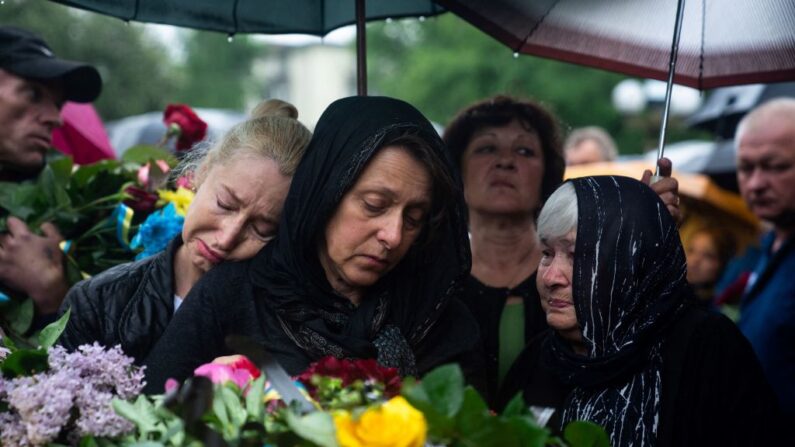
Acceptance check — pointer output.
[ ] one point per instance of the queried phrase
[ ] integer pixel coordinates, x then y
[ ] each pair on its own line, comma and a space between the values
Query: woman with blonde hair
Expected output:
240, 183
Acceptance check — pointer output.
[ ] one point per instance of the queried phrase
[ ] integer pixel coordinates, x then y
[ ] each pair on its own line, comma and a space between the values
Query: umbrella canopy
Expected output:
722, 43
726, 106
316, 17
82, 134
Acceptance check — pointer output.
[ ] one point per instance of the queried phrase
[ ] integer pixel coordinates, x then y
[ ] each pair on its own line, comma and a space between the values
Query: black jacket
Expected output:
130, 304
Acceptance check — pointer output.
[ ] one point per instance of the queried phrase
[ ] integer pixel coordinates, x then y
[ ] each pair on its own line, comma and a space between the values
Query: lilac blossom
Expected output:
72, 399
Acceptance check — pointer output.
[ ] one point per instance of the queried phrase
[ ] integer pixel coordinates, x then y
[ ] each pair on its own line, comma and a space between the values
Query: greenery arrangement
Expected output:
109, 212
92, 398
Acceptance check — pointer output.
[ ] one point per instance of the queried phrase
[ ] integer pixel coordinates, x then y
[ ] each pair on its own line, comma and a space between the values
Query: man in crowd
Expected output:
765, 142
33, 86
589, 145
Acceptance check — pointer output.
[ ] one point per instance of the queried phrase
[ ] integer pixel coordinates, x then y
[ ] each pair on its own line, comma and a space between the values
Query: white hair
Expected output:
559, 215
606, 144
775, 107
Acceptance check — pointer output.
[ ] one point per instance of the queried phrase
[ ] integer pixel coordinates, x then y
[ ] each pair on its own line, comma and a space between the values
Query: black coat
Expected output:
197, 334
713, 389
128, 305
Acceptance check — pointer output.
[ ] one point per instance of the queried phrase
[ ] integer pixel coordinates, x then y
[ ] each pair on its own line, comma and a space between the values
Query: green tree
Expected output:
216, 72
444, 63
137, 72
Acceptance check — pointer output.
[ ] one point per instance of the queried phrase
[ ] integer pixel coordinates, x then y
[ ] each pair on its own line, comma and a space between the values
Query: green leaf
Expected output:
315, 427
445, 388
516, 406
219, 409
585, 434
528, 431
144, 153
141, 413
255, 406
234, 407
88, 441
62, 170
474, 413
19, 199
441, 427
24, 362
20, 316
49, 335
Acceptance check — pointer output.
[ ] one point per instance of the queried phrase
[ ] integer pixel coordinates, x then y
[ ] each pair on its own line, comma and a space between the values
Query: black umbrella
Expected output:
726, 106
317, 17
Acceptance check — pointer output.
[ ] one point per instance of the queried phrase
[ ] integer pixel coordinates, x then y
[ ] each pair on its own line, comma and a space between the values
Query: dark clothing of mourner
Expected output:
767, 318
130, 304
654, 364
410, 319
488, 304
708, 367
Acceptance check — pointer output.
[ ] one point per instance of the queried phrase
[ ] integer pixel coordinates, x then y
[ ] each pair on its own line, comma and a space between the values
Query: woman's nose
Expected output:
228, 234
505, 160
391, 232
554, 276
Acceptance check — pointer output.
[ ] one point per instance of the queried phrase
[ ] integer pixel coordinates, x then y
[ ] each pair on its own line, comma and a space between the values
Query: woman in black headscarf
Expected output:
627, 349
370, 255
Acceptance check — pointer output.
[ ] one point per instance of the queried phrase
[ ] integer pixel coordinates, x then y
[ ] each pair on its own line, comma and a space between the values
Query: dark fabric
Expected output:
128, 305
767, 318
486, 304
629, 285
395, 321
713, 390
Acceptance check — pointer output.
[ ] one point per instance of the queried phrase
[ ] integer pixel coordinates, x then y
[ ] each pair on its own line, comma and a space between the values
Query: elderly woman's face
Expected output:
376, 222
502, 169
554, 282
235, 212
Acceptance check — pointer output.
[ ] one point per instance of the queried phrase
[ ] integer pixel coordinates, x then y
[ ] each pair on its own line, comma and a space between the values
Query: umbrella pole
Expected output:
361, 49
680, 9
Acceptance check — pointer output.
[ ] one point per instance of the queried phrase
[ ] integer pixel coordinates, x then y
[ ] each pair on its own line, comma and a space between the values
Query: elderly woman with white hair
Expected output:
626, 348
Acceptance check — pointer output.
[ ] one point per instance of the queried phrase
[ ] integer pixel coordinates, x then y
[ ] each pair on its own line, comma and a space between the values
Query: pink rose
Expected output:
143, 172
237, 369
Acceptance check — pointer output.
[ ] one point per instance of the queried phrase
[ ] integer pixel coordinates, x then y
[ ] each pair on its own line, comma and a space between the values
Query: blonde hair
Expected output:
273, 131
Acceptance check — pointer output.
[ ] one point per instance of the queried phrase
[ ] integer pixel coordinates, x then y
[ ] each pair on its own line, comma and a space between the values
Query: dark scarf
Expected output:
629, 285
396, 313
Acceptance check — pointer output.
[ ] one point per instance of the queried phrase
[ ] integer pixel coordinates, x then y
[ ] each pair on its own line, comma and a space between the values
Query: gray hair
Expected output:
600, 136
273, 131
559, 215
778, 106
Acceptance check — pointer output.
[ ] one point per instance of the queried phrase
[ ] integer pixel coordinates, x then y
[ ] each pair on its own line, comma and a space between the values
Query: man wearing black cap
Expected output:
33, 86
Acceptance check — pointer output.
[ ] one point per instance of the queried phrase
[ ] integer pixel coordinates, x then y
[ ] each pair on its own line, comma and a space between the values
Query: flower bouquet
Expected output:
97, 208
354, 403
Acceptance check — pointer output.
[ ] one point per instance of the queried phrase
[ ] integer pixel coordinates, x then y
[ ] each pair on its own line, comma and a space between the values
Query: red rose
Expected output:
140, 200
192, 128
351, 370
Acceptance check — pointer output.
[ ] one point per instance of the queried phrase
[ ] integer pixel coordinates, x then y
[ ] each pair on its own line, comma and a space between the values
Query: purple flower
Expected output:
75, 394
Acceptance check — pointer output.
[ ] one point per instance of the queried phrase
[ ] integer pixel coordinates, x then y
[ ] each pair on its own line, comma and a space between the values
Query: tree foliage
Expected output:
139, 72
443, 63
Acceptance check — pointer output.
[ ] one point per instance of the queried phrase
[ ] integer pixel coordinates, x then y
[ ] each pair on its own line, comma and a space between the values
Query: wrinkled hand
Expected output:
34, 264
666, 187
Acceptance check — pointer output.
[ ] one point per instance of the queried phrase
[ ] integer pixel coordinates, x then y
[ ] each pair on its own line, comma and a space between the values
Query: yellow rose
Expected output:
181, 198
393, 424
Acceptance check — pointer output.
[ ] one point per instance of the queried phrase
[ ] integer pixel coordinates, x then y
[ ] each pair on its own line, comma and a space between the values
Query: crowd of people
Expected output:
374, 237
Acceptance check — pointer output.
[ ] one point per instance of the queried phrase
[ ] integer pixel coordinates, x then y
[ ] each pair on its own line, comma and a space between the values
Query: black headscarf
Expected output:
629, 286
396, 313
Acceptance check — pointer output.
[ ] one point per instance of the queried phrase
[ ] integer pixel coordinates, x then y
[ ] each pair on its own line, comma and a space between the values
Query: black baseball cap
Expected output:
27, 55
